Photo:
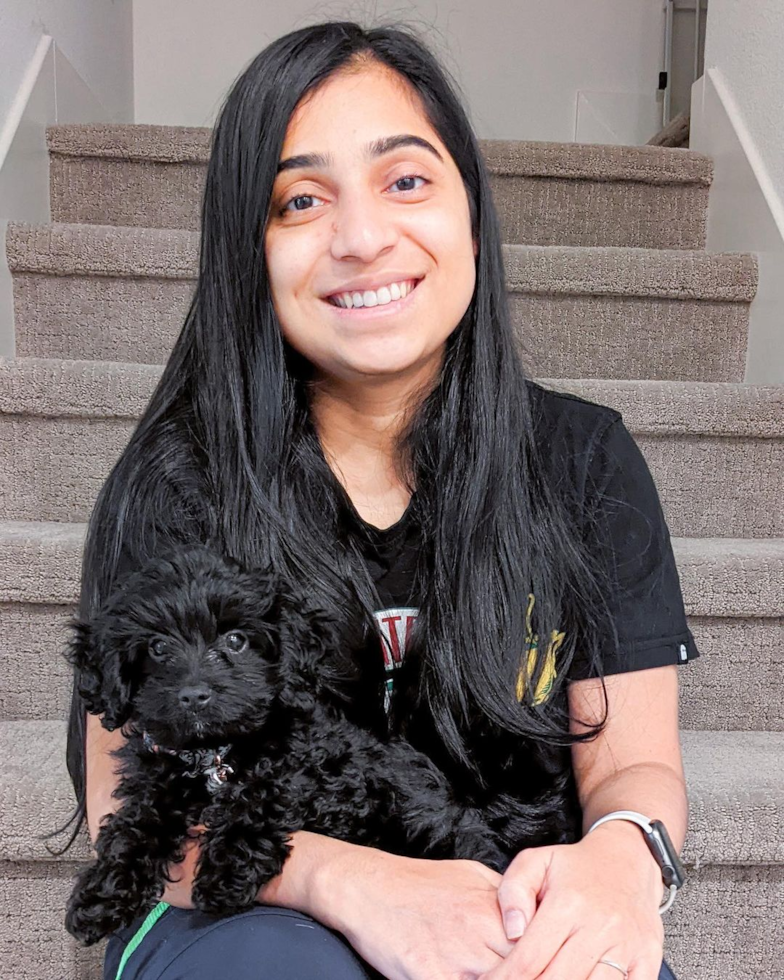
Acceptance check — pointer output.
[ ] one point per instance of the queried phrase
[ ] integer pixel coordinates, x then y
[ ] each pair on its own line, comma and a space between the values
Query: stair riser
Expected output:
726, 923
732, 687
710, 487
532, 210
617, 337
99, 318
34, 943
558, 211
718, 486
37, 679
735, 683
561, 336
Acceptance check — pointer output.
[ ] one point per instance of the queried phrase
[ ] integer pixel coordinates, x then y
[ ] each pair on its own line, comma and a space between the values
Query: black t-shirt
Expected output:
594, 458
594, 461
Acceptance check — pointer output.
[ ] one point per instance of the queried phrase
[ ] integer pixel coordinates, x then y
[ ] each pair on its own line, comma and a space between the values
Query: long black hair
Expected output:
226, 451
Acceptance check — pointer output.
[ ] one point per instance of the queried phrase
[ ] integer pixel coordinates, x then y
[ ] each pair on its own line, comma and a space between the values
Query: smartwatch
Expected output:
660, 846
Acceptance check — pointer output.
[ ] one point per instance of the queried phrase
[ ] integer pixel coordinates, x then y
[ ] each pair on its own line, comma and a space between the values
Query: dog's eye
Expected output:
236, 640
158, 648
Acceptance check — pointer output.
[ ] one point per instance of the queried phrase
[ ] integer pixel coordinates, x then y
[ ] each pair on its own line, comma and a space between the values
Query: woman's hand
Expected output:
596, 900
178, 891
418, 919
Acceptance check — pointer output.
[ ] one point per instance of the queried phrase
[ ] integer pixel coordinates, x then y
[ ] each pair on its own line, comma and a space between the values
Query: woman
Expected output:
396, 458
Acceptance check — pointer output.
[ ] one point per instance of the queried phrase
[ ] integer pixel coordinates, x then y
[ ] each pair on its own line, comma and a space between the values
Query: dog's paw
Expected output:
221, 900
228, 888
106, 898
88, 924
474, 840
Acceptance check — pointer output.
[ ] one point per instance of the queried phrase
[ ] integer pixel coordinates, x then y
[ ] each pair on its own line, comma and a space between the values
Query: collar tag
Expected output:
201, 762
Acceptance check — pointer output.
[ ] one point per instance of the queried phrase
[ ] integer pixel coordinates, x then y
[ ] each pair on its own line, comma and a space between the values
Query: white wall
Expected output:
520, 63
59, 62
738, 120
93, 35
745, 41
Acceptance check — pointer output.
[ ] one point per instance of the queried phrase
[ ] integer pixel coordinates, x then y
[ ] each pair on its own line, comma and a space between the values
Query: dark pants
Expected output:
265, 943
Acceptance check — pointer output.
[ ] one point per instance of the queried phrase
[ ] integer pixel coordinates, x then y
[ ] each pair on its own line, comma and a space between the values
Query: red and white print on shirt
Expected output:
395, 625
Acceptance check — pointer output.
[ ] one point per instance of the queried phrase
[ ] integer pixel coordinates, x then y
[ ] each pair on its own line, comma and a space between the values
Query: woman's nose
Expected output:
362, 228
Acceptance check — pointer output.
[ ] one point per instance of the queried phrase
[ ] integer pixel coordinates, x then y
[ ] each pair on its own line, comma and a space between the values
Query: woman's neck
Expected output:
360, 445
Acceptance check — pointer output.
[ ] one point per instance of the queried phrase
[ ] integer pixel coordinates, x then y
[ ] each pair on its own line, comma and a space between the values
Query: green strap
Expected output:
140, 933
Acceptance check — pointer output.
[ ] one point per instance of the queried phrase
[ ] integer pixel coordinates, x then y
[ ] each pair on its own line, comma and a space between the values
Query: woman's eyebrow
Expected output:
376, 148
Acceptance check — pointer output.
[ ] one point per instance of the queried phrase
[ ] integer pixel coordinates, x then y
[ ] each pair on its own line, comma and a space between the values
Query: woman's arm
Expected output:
310, 876
310, 880
101, 777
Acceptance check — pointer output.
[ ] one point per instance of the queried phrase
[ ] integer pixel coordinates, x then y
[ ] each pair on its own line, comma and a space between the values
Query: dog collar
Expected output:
207, 762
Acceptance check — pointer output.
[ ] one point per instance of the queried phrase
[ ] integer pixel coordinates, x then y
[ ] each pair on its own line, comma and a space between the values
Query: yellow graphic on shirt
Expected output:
527, 670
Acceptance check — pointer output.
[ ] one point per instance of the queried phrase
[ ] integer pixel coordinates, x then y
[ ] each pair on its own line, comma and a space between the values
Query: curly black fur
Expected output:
199, 652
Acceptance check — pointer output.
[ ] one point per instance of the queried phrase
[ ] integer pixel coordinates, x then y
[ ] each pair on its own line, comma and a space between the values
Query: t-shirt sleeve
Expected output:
630, 544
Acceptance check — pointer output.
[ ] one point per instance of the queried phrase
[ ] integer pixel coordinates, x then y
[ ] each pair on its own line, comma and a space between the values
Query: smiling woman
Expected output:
381, 202
346, 402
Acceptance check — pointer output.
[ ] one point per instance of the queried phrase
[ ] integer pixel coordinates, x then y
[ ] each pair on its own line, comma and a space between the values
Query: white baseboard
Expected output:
745, 214
51, 91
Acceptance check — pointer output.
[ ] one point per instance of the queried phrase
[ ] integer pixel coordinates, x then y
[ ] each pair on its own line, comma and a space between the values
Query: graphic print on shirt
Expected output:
396, 624
545, 684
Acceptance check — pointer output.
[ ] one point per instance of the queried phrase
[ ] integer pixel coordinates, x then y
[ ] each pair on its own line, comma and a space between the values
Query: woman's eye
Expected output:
299, 197
312, 197
236, 640
410, 177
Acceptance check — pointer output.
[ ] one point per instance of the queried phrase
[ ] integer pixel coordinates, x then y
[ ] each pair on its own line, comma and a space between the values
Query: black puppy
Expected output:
228, 685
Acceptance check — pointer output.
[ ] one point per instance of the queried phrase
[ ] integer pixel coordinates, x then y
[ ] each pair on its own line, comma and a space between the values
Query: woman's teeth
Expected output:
373, 297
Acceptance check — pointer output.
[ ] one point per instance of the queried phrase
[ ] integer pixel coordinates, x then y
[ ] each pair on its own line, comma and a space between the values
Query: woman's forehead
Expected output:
355, 109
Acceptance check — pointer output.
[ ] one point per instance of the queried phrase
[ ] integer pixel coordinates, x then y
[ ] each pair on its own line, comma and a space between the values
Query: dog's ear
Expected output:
268, 586
101, 681
79, 654
313, 662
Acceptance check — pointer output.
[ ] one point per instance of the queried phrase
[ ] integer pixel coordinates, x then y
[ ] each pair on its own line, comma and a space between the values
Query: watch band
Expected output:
660, 846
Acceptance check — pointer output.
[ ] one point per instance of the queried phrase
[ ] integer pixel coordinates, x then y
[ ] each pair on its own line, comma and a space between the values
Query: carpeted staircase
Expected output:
614, 296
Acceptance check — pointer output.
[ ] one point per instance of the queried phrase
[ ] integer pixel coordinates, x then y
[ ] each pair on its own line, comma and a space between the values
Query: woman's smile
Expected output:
377, 311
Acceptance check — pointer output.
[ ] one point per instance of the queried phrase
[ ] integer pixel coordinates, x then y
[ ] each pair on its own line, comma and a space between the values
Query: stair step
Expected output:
704, 936
33, 940
545, 193
621, 313
121, 294
730, 776
733, 592
716, 450
40, 563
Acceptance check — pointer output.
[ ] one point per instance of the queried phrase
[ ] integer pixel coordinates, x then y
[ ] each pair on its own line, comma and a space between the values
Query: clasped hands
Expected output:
572, 905
583, 902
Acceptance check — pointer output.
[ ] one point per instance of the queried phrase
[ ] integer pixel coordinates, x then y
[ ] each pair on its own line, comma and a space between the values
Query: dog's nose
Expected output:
195, 697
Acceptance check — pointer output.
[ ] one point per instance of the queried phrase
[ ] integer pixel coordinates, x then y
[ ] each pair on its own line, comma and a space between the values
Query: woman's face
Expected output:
360, 220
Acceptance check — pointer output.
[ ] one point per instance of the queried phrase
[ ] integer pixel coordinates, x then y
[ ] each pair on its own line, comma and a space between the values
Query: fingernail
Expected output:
514, 924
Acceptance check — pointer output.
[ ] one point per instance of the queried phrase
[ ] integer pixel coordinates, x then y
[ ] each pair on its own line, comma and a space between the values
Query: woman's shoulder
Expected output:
565, 423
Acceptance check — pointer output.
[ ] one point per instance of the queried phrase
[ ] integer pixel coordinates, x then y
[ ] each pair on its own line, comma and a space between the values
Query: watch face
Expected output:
672, 869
